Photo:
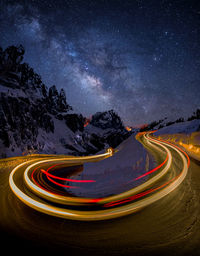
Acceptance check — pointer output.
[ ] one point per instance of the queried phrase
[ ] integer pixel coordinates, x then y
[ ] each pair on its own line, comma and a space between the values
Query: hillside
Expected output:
37, 119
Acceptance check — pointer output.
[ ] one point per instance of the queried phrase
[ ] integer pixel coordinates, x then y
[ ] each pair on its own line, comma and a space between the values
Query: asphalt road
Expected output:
168, 226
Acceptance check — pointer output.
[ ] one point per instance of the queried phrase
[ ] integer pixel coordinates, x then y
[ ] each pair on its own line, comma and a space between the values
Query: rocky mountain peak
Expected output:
107, 119
53, 92
57, 101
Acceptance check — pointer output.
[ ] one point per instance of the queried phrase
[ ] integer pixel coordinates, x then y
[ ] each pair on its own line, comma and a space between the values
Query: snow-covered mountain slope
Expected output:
185, 134
37, 119
182, 127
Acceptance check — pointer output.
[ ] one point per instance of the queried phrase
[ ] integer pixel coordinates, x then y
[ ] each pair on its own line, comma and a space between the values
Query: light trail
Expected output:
153, 170
147, 183
146, 197
63, 179
80, 201
55, 197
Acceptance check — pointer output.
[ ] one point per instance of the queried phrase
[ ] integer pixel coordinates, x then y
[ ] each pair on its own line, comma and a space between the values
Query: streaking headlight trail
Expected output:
45, 191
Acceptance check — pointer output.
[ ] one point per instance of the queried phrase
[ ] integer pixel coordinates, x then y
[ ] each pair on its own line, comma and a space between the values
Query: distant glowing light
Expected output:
87, 121
128, 128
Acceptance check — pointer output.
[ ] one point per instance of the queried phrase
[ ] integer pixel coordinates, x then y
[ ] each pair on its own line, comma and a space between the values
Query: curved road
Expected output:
162, 227
155, 193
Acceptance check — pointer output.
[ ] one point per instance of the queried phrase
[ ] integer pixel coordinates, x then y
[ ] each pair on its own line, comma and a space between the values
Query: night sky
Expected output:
138, 57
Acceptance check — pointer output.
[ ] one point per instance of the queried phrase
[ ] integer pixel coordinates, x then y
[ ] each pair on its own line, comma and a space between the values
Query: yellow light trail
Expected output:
108, 213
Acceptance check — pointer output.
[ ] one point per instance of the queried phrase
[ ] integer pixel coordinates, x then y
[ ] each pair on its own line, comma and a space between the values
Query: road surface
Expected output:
167, 221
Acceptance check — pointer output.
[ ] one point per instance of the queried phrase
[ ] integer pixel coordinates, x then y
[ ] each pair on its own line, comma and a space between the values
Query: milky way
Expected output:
140, 58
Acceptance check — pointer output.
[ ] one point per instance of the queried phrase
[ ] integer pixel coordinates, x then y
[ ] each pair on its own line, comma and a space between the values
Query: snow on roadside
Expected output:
182, 127
184, 134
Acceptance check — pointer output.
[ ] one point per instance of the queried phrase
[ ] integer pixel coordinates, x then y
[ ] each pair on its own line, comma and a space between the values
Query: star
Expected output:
111, 55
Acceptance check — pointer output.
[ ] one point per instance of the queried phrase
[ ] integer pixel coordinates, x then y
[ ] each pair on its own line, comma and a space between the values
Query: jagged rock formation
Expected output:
57, 101
108, 119
75, 122
37, 119
110, 122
